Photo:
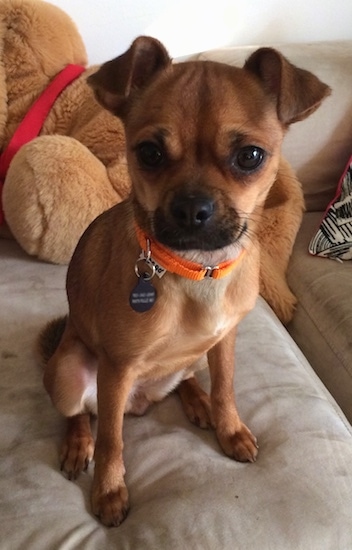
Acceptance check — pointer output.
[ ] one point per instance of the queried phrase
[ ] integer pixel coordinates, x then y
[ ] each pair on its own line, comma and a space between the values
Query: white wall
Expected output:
189, 26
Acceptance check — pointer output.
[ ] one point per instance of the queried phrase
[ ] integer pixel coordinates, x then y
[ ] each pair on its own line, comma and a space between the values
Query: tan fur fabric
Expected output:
61, 181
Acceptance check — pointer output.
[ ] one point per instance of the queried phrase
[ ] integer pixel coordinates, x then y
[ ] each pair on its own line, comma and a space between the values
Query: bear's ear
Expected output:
133, 70
298, 93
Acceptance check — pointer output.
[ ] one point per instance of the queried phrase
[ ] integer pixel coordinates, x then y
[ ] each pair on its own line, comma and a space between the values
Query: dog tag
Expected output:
143, 296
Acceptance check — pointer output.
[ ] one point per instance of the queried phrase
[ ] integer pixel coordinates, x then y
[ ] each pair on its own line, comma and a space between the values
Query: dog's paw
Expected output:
241, 445
111, 507
198, 411
196, 403
76, 454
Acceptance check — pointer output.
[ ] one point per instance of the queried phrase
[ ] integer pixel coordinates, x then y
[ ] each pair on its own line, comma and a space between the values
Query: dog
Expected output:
158, 284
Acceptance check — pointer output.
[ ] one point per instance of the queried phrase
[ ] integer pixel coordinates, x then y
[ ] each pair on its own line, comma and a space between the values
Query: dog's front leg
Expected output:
235, 438
109, 493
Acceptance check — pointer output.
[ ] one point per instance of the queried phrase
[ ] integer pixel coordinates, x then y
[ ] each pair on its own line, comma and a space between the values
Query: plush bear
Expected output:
75, 168
61, 180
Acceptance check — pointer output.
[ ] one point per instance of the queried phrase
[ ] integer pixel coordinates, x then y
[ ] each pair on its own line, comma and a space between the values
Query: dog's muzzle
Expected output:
194, 221
191, 212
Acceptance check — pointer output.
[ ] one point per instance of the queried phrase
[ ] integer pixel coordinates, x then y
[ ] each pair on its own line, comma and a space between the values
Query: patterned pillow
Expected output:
334, 236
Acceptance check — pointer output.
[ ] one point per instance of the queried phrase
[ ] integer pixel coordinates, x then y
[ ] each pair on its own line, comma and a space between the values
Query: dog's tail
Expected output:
49, 338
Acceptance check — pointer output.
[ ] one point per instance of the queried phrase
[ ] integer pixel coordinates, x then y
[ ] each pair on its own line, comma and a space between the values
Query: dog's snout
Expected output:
191, 211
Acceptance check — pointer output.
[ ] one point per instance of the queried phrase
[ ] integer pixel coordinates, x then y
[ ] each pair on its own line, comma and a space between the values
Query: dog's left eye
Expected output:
149, 154
248, 158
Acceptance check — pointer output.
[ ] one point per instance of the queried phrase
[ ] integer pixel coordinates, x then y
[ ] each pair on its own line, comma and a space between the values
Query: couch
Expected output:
184, 493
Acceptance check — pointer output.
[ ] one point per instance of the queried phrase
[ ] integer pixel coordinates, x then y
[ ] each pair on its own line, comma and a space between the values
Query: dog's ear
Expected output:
298, 93
116, 79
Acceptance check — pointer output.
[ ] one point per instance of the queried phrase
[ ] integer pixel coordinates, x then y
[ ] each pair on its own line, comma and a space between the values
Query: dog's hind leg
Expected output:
70, 376
195, 402
70, 380
78, 446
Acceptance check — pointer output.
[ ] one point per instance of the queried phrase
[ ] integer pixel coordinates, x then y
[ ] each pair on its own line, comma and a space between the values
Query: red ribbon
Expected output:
33, 121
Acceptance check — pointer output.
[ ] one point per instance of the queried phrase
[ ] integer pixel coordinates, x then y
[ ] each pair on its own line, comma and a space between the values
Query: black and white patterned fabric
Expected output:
334, 236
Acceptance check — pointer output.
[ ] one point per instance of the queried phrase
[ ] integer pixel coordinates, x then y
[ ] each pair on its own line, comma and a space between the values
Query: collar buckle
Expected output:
209, 271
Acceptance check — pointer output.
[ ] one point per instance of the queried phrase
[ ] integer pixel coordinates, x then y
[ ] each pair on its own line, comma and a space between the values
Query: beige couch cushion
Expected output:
319, 147
322, 325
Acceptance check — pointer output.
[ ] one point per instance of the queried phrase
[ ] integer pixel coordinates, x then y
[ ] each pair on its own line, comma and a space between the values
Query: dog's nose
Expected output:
192, 211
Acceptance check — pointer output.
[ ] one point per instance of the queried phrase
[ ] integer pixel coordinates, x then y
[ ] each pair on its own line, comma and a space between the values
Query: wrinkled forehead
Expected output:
209, 96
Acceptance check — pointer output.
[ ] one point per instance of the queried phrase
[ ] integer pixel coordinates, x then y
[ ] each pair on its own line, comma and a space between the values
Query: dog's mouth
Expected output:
208, 235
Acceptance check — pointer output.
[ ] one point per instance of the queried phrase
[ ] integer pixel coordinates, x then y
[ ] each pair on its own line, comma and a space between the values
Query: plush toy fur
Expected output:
59, 182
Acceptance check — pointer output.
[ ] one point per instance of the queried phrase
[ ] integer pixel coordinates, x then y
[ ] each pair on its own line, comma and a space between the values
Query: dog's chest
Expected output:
207, 308
200, 319
221, 325
183, 346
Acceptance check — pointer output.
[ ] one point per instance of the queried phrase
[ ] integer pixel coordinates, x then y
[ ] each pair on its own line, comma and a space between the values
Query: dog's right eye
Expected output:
150, 154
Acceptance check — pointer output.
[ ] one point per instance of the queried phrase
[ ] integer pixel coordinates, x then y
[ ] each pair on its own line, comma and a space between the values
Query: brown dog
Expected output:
162, 280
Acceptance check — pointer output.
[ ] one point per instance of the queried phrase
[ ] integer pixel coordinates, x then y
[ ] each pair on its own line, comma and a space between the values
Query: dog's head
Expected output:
203, 139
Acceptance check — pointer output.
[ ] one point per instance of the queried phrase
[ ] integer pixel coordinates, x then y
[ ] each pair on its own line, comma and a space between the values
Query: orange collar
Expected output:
180, 266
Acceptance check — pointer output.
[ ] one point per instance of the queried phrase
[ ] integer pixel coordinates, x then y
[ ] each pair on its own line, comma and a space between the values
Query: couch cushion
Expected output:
318, 147
184, 492
322, 325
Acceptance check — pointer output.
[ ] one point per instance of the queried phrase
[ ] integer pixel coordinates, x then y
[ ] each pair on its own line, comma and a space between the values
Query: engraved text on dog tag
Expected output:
143, 296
